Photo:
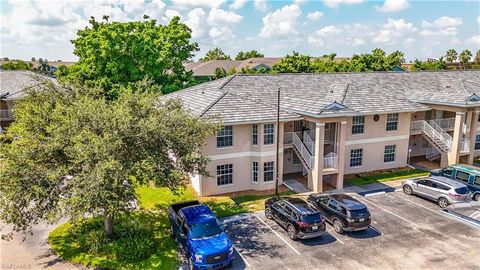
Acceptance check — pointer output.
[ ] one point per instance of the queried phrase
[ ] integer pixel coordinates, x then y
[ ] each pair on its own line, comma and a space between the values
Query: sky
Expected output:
421, 29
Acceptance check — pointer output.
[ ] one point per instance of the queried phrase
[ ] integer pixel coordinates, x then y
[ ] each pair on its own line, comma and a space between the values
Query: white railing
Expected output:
288, 138
310, 133
437, 134
330, 161
309, 159
444, 123
465, 146
432, 153
309, 143
6, 114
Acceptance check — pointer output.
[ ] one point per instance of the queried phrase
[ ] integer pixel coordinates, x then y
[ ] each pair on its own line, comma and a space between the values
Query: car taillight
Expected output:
302, 224
455, 195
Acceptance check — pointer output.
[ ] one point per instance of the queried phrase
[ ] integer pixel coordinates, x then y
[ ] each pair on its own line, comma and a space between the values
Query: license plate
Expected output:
315, 228
362, 219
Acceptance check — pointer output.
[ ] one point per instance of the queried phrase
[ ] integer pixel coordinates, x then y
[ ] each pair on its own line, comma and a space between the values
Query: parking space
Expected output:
406, 232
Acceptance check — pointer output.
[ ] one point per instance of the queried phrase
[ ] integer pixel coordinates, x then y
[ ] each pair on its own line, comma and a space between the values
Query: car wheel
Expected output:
476, 197
407, 189
442, 202
337, 226
268, 213
292, 232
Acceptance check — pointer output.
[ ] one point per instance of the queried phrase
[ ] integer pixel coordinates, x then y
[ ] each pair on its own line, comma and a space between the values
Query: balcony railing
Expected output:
6, 115
445, 123
330, 161
465, 146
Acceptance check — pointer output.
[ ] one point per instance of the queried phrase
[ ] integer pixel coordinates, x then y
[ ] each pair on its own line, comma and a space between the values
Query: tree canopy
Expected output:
215, 54
247, 55
113, 54
451, 55
465, 57
17, 65
429, 65
72, 151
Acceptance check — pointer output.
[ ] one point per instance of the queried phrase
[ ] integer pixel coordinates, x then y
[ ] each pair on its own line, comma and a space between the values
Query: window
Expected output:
333, 204
297, 126
356, 156
462, 176
442, 187
477, 142
224, 174
389, 153
255, 172
392, 121
295, 159
358, 124
447, 172
268, 131
268, 171
323, 200
477, 180
225, 136
424, 183
254, 134
288, 210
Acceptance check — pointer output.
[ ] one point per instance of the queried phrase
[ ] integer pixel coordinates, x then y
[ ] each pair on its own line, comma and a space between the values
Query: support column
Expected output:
317, 172
341, 154
454, 153
473, 135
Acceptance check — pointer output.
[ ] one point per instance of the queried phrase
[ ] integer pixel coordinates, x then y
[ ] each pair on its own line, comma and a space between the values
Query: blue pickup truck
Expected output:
196, 228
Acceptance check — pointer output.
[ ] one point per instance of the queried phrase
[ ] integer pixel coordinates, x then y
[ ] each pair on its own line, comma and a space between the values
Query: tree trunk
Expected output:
108, 221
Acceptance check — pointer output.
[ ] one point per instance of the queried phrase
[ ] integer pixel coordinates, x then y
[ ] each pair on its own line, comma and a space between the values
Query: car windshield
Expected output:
462, 190
312, 218
205, 229
358, 213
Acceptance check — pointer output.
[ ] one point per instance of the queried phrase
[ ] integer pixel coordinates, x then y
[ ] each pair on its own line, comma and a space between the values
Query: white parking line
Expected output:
277, 234
374, 194
410, 201
336, 237
475, 215
243, 258
402, 218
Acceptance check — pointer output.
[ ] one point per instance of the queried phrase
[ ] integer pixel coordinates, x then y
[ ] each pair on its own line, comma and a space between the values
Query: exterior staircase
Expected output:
435, 135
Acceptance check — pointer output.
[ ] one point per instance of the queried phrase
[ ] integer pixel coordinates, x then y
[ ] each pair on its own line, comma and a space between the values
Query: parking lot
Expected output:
407, 232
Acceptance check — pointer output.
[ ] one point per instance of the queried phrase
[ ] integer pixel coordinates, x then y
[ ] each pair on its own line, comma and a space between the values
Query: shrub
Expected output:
94, 242
134, 241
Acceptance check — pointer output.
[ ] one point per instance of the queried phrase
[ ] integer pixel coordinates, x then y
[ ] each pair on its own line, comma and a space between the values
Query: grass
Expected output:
153, 204
378, 177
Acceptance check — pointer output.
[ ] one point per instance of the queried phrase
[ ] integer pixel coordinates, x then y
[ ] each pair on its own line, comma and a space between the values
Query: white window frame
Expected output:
265, 134
254, 134
272, 171
356, 154
295, 159
255, 172
389, 151
225, 132
222, 171
392, 119
477, 142
360, 125
297, 125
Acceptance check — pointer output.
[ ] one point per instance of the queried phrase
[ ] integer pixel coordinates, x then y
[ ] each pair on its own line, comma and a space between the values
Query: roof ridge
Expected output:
213, 103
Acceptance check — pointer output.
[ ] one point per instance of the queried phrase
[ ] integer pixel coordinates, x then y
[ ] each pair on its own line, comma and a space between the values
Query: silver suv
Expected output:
441, 189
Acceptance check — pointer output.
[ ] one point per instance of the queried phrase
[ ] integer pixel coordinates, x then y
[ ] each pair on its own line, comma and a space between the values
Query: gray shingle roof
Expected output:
244, 98
13, 83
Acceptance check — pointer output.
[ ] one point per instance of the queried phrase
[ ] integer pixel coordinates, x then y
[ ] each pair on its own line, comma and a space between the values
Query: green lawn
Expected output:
376, 177
153, 203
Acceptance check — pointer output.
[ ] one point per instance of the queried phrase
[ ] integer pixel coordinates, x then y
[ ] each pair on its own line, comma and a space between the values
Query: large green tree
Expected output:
247, 55
72, 152
113, 54
465, 57
451, 56
294, 63
215, 54
429, 65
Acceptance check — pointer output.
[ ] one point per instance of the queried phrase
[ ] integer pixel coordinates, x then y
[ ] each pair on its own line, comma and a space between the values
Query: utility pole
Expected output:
278, 142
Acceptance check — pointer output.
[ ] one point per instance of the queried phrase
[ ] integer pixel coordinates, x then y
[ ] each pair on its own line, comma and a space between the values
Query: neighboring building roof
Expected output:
14, 82
253, 98
208, 68
254, 62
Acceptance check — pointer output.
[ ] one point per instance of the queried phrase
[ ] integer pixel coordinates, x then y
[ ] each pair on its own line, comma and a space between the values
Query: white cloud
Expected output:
473, 40
393, 5
221, 34
281, 22
336, 3
221, 17
332, 36
198, 3
314, 16
197, 22
260, 5
442, 22
237, 4
478, 20
408, 42
393, 31
170, 13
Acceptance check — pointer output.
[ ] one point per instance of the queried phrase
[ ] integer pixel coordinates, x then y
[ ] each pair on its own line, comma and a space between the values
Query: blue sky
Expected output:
420, 29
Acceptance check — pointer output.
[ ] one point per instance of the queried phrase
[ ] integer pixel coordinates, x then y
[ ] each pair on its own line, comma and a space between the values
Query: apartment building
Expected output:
332, 125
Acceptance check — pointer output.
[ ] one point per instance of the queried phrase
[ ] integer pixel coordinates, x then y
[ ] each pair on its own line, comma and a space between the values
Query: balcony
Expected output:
6, 115
446, 124
330, 161
465, 146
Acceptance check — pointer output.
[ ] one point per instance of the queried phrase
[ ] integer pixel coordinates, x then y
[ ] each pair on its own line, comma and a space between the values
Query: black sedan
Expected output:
300, 218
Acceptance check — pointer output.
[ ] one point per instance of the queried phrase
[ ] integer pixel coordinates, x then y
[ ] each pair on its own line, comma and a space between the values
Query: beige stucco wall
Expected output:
242, 154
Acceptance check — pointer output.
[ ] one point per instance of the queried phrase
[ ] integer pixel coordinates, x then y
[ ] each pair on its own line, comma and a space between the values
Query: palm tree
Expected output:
465, 57
451, 55
215, 54
477, 57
